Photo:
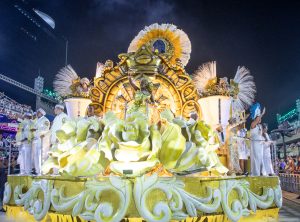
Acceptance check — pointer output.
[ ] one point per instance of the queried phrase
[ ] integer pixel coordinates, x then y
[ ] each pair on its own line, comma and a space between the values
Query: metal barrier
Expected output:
290, 182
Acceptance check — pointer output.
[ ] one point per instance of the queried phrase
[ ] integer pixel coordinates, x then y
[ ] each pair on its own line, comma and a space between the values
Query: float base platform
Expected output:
145, 198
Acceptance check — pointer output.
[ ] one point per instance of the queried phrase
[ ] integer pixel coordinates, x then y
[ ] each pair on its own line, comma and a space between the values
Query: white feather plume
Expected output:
203, 74
246, 87
63, 81
99, 69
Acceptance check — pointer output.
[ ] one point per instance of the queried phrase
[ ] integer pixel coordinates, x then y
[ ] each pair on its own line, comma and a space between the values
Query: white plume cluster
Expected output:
99, 69
185, 43
63, 81
203, 74
242, 88
246, 87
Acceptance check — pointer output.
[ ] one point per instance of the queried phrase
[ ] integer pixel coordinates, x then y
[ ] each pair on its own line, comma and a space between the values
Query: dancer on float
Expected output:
242, 149
232, 143
267, 151
58, 121
24, 137
40, 142
257, 139
91, 112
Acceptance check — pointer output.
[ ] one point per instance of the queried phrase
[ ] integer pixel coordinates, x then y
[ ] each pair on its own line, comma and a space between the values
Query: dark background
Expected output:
261, 35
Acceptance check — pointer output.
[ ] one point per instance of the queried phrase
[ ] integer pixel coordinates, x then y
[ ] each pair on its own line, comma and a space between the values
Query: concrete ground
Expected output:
290, 211
291, 196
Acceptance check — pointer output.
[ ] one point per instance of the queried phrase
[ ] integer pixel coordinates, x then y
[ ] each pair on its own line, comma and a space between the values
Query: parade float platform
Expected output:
155, 124
150, 198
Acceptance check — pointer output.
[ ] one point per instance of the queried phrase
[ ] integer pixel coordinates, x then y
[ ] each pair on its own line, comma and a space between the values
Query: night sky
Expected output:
262, 35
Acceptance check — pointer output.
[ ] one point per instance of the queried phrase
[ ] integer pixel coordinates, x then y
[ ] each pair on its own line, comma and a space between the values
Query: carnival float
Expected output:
151, 151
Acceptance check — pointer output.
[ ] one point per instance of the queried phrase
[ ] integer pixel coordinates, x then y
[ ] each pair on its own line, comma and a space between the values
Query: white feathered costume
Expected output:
68, 84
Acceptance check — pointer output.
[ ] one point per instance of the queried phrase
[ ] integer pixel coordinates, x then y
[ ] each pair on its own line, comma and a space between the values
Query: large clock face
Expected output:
121, 96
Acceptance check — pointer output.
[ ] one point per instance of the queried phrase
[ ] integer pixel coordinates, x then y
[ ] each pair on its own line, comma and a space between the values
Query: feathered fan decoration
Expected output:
243, 88
205, 76
64, 80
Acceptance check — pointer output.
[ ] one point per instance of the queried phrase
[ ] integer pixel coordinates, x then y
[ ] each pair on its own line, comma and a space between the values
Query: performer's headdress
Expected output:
205, 76
43, 112
60, 106
255, 110
170, 41
243, 88
28, 114
63, 81
85, 80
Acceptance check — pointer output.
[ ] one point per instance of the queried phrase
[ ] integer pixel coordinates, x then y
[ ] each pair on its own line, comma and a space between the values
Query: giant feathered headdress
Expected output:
243, 88
178, 44
205, 76
63, 81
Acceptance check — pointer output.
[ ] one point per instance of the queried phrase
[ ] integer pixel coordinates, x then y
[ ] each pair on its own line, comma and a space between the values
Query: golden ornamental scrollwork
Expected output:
175, 89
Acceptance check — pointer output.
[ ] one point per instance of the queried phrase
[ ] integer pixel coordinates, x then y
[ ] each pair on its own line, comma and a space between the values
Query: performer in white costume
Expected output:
257, 139
233, 157
58, 121
267, 151
242, 149
24, 137
33, 122
40, 142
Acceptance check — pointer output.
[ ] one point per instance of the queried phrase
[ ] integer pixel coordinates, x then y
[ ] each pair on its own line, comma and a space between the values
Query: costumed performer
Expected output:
41, 139
84, 87
221, 139
34, 117
91, 112
24, 137
33, 122
257, 139
58, 121
242, 149
232, 144
221, 134
267, 151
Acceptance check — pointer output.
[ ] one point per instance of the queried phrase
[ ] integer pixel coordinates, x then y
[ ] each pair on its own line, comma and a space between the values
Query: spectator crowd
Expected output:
289, 165
7, 142
11, 108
